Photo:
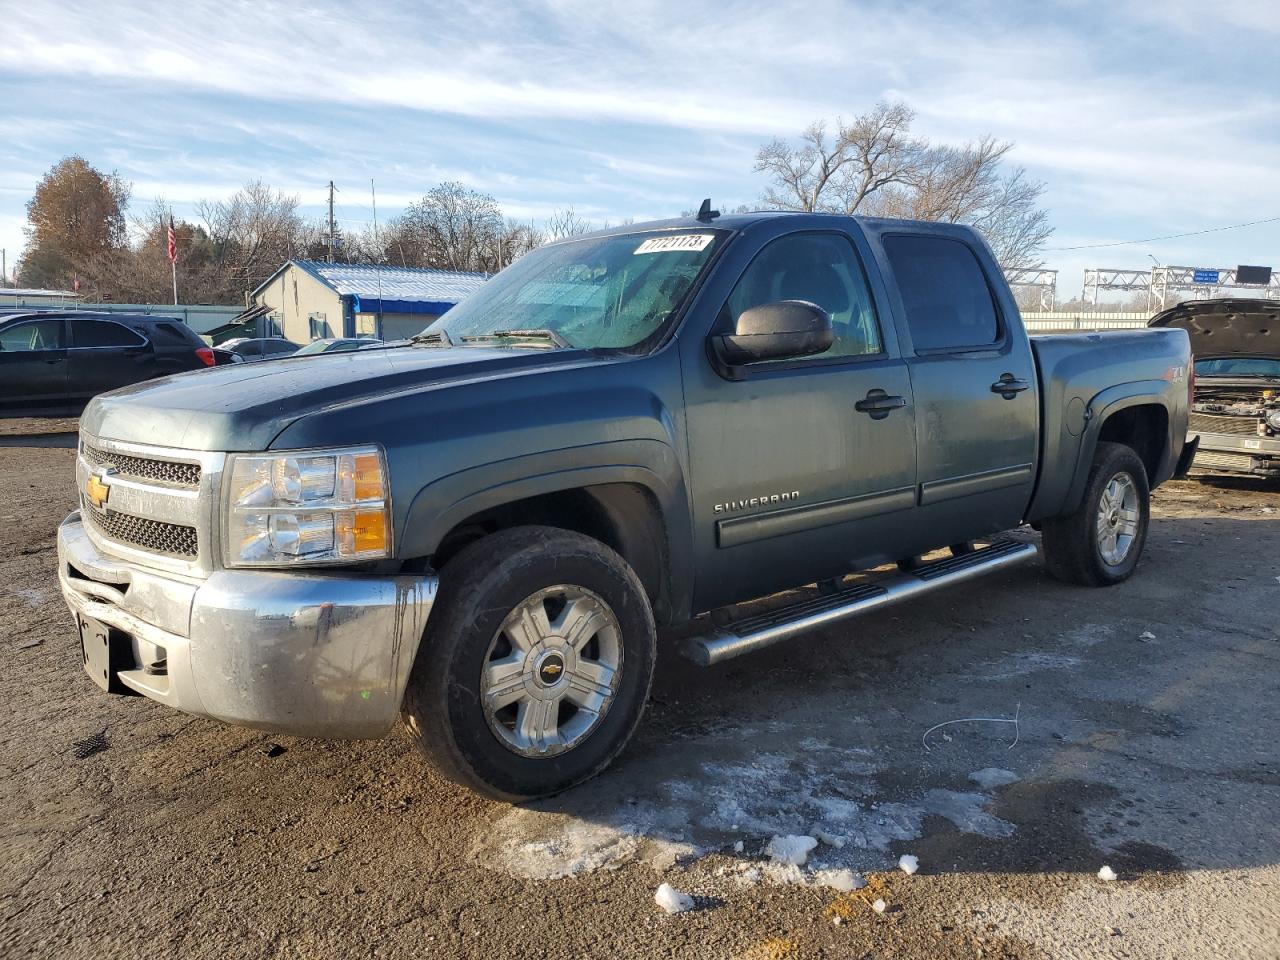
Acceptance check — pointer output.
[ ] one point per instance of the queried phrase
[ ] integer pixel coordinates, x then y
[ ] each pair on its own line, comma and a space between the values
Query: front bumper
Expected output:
1259, 457
312, 654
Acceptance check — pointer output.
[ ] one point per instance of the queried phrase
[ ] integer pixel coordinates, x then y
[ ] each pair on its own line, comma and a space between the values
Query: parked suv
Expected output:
55, 363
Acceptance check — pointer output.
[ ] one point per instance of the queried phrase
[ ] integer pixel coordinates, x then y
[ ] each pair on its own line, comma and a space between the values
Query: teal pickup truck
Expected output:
484, 529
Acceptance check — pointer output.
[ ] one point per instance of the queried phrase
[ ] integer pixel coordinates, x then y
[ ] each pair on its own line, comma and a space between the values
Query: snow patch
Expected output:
790, 849
672, 900
843, 880
1022, 663
908, 864
1106, 873
991, 778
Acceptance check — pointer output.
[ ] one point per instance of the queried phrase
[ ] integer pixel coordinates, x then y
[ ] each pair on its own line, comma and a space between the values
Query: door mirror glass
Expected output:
781, 330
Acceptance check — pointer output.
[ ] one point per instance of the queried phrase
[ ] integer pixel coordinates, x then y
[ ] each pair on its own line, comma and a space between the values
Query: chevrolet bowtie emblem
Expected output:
96, 491
552, 669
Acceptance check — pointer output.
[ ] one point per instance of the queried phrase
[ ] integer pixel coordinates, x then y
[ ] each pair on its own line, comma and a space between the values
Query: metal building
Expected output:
306, 300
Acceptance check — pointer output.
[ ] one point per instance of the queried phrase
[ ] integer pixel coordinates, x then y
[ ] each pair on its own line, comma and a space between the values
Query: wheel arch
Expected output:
1135, 414
630, 495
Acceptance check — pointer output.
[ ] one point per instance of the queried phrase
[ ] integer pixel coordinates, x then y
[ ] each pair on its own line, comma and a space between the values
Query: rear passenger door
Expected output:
974, 380
104, 355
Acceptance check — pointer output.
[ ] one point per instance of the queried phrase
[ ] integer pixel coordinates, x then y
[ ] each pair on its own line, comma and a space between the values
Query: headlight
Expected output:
306, 506
1273, 420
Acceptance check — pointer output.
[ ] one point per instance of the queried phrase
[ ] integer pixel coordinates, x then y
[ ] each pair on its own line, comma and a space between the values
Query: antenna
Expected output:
373, 193
705, 213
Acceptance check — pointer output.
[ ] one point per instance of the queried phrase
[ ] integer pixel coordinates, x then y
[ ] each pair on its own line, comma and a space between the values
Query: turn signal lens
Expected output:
306, 507
363, 531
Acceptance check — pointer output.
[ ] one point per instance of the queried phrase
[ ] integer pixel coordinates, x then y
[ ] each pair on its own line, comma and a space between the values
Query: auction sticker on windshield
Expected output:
679, 242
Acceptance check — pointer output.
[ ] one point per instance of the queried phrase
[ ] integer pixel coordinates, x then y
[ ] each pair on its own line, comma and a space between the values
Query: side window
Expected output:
318, 325
944, 293
32, 335
823, 269
103, 333
250, 349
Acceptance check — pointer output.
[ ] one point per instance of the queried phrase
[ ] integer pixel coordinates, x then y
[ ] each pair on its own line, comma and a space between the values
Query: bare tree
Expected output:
564, 224
873, 165
255, 230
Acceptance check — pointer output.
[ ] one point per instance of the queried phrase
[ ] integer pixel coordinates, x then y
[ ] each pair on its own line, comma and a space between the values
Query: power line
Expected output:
1172, 236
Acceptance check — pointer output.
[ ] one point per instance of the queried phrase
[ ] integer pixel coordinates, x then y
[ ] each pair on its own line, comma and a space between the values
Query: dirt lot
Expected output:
1155, 755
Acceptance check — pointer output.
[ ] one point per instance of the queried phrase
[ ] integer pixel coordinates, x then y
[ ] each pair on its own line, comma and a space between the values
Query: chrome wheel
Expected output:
552, 671
1117, 522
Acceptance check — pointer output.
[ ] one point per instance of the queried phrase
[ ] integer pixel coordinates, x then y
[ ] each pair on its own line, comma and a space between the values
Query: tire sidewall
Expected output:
476, 620
1119, 460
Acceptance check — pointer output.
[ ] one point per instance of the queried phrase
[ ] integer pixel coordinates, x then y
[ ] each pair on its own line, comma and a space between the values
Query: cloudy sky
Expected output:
1143, 119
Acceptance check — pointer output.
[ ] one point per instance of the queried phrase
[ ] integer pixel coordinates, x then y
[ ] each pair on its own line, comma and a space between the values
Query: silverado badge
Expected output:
96, 490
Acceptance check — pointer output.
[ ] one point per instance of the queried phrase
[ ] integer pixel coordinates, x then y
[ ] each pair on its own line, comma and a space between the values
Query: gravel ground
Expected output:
1155, 755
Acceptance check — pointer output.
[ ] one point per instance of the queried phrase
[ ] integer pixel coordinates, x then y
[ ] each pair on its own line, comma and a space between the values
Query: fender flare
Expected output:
652, 465
1104, 405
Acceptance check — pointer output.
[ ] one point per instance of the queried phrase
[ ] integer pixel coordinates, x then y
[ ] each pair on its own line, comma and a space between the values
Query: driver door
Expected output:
33, 365
792, 481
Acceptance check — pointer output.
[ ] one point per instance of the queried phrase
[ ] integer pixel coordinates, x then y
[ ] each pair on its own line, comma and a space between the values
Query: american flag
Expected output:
173, 242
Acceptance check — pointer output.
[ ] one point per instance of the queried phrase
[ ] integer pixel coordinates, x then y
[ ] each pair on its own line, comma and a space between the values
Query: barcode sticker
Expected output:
675, 243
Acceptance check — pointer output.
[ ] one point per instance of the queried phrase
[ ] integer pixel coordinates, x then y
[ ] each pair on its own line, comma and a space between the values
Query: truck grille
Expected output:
1213, 459
157, 536
143, 468
1236, 426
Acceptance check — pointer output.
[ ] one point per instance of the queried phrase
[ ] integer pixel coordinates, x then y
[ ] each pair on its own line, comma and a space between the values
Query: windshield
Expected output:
1238, 367
616, 292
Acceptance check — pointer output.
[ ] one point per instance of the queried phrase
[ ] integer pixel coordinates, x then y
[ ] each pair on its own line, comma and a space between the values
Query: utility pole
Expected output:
4, 267
331, 221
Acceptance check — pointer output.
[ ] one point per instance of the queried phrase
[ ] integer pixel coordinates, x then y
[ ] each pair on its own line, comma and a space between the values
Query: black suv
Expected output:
55, 363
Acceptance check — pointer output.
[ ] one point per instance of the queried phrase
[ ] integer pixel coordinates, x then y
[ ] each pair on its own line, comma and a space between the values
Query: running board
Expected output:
755, 633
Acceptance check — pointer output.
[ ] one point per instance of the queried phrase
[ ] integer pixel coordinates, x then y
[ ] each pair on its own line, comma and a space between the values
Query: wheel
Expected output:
535, 665
1100, 543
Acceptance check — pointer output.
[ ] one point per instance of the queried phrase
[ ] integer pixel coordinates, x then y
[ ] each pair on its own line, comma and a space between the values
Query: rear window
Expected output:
103, 333
945, 295
177, 333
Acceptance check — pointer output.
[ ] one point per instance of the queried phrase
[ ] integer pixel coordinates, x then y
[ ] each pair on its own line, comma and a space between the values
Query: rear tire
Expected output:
1100, 542
535, 666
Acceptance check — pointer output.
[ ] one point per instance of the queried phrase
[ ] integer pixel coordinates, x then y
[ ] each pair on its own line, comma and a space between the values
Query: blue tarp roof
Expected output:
395, 289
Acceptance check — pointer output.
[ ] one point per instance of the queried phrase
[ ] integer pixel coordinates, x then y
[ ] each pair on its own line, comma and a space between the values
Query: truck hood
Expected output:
245, 406
1231, 327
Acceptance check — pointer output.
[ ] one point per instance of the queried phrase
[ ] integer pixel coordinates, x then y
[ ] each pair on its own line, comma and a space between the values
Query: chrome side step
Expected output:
775, 626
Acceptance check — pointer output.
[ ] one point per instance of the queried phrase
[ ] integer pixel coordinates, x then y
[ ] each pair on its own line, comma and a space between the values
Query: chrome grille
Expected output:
144, 468
171, 539
1223, 461
1236, 426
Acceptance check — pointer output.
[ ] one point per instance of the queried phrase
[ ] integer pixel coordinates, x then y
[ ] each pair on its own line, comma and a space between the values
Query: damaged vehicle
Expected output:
1236, 408
488, 529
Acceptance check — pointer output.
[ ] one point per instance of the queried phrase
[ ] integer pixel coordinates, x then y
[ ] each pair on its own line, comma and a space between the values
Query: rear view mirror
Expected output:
776, 331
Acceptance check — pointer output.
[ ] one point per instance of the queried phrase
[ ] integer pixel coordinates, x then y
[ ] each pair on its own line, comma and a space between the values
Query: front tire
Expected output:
1100, 542
535, 666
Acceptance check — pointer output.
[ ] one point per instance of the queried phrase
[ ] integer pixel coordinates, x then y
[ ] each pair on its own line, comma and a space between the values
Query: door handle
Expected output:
878, 404
1009, 386
56, 360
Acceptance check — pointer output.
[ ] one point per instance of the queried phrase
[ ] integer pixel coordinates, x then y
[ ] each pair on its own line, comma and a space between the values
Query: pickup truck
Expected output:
484, 528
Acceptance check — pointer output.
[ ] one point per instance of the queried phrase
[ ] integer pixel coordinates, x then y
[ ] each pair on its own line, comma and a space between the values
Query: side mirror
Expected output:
776, 331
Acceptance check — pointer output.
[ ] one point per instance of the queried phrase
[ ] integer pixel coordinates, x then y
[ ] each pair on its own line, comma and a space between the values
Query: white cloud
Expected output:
1141, 119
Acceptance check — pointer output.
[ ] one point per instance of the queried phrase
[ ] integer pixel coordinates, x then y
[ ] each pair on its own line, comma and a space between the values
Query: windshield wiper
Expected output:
540, 333
440, 337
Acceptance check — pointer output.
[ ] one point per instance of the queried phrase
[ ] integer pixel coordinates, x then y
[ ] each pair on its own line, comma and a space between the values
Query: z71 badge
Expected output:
768, 500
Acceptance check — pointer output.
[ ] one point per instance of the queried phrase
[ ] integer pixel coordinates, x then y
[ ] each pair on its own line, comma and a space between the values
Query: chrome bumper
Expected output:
312, 654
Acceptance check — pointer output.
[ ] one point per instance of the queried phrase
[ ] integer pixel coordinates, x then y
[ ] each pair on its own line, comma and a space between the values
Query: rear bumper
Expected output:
311, 654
